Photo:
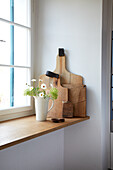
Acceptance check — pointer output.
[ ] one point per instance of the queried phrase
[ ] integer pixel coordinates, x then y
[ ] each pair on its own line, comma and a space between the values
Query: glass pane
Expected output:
21, 9
22, 12
21, 77
5, 9
4, 87
21, 46
4, 43
12, 91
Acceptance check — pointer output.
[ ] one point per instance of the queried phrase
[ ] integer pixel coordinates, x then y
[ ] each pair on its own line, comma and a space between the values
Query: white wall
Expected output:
42, 153
75, 25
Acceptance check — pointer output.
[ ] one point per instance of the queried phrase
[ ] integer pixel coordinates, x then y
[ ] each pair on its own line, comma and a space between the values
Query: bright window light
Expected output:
15, 55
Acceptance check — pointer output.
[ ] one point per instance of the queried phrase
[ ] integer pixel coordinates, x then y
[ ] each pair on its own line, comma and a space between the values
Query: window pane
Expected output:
4, 43
5, 9
22, 11
21, 46
21, 77
4, 87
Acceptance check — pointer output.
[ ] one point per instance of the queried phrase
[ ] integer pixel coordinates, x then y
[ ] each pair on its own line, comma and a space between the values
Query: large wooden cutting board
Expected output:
77, 91
66, 76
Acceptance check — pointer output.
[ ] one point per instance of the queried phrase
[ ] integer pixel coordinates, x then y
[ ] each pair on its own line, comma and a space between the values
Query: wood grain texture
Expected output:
47, 80
67, 109
77, 91
80, 109
20, 130
56, 111
77, 95
66, 76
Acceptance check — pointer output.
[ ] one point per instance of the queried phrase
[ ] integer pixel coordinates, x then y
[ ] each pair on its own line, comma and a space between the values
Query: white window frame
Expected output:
16, 112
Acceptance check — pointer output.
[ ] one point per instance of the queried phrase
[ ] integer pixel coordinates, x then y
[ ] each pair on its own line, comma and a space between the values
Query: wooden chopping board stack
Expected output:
70, 88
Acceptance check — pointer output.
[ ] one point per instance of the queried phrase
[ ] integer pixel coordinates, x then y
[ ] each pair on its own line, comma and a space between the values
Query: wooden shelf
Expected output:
20, 130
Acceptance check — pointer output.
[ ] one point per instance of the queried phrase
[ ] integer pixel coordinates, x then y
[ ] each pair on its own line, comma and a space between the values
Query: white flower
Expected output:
43, 86
40, 80
31, 88
33, 80
41, 94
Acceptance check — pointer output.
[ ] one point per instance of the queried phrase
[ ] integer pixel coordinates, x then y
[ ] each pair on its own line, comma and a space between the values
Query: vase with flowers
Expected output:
42, 95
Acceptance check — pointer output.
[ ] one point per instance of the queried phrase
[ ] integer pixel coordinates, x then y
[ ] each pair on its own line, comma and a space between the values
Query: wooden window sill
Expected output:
20, 130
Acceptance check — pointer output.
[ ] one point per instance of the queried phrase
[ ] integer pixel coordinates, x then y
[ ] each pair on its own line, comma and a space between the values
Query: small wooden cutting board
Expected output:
77, 96
56, 111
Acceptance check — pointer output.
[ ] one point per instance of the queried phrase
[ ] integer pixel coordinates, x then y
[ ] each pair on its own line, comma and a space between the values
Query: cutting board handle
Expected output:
56, 82
61, 52
60, 64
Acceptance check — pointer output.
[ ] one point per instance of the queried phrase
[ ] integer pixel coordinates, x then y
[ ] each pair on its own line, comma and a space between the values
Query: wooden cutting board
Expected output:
56, 111
66, 76
72, 81
77, 96
77, 91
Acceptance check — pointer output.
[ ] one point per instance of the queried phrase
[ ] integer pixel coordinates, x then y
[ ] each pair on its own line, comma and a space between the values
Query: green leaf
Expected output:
54, 93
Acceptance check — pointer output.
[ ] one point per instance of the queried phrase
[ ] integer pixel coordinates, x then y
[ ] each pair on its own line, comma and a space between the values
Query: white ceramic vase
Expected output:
41, 108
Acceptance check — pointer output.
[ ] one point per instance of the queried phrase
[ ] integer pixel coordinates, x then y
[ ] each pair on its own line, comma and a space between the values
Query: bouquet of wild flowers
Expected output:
41, 90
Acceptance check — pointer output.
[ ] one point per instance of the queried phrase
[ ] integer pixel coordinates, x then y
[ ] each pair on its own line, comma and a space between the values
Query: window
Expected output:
15, 56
